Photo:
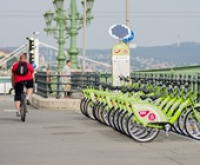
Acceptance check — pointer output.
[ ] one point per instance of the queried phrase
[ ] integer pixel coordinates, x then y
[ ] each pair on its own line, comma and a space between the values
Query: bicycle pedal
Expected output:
28, 102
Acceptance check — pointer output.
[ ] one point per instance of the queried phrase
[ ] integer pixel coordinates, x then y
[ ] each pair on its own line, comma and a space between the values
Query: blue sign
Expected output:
119, 31
34, 66
129, 38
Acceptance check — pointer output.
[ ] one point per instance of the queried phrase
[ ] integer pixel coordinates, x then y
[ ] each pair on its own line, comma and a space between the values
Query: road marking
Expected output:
9, 110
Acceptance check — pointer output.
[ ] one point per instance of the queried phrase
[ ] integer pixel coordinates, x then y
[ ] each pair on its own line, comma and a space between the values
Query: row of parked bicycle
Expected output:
141, 109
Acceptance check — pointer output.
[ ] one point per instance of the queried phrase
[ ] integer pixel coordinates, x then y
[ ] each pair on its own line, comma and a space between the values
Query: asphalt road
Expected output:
54, 137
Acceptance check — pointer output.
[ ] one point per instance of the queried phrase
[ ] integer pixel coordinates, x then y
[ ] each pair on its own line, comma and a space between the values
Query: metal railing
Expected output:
62, 84
191, 80
80, 80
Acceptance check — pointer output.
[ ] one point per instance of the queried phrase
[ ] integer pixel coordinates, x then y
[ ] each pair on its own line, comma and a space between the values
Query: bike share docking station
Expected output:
140, 108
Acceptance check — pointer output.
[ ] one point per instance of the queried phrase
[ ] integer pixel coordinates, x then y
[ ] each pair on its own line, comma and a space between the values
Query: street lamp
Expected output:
87, 6
70, 22
60, 19
58, 4
76, 23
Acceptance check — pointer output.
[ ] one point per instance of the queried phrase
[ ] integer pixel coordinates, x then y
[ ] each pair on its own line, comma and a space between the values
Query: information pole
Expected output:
120, 62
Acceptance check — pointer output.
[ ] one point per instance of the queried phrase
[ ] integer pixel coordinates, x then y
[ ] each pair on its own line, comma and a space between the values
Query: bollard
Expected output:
58, 87
194, 82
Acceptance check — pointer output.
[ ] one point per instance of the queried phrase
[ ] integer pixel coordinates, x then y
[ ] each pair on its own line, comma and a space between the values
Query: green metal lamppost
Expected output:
67, 25
60, 19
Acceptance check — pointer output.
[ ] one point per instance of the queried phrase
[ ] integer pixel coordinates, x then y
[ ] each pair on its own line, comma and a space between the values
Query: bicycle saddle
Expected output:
143, 97
124, 89
136, 89
130, 89
155, 97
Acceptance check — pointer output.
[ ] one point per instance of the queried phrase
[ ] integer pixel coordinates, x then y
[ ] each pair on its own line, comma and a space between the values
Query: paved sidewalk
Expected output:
64, 137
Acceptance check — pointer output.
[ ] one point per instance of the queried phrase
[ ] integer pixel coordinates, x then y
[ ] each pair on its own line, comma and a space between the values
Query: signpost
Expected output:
120, 62
120, 52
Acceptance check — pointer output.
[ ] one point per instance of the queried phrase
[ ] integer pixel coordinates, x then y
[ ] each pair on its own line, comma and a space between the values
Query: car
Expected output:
6, 85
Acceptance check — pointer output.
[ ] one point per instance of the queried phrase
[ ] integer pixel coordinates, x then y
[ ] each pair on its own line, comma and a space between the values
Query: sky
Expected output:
154, 22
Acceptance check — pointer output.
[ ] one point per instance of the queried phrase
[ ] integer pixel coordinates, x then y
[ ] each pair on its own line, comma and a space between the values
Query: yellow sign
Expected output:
120, 49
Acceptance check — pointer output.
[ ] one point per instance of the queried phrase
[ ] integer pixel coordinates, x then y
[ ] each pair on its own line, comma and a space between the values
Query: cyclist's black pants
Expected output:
19, 88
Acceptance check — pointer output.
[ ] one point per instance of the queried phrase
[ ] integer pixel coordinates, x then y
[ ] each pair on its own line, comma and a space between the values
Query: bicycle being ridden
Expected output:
22, 76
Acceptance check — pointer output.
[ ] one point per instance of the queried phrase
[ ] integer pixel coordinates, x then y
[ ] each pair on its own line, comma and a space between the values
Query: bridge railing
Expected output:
80, 80
62, 84
190, 79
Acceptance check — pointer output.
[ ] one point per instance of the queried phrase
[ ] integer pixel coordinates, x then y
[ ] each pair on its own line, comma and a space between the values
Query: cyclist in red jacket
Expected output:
22, 71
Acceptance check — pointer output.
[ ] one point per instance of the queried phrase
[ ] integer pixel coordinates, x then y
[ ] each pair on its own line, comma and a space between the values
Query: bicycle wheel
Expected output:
82, 106
192, 123
115, 119
96, 105
105, 115
180, 122
175, 128
121, 114
100, 110
141, 133
124, 123
110, 116
23, 110
89, 109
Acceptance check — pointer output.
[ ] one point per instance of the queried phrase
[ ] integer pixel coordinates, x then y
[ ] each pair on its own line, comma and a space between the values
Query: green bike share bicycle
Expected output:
142, 120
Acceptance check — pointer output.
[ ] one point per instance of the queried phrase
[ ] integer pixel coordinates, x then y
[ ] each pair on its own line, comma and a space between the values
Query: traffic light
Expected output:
31, 50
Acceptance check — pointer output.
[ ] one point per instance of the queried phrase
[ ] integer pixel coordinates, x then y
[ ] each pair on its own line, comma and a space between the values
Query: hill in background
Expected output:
184, 54
142, 58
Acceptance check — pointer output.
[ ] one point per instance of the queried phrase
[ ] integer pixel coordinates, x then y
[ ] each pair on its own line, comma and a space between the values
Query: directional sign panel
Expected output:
119, 31
129, 38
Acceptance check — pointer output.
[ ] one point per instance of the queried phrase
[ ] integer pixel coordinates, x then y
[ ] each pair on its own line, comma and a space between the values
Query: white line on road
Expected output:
9, 110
